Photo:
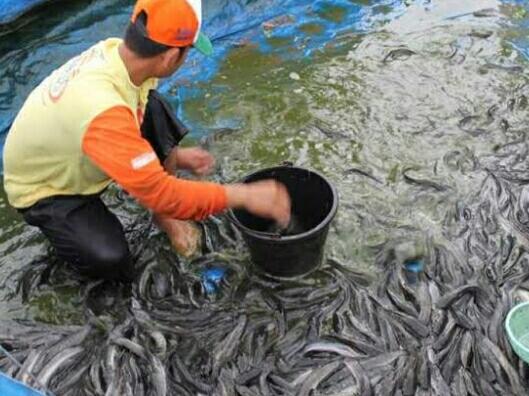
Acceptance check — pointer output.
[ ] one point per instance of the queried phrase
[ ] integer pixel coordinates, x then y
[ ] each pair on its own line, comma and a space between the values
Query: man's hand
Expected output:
267, 198
185, 237
194, 159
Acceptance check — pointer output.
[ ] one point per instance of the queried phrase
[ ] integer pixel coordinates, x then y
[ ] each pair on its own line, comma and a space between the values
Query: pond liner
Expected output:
11, 387
11, 10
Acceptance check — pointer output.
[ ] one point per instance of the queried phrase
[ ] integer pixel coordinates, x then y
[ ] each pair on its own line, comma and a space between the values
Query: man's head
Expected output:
162, 31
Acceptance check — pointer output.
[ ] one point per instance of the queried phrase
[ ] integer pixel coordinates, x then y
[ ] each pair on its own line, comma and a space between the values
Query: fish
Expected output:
490, 349
362, 172
449, 298
398, 54
131, 346
450, 363
458, 386
409, 382
486, 13
439, 385
316, 377
380, 361
224, 350
507, 68
264, 389
423, 182
425, 303
332, 347
95, 378
481, 34
361, 377
56, 362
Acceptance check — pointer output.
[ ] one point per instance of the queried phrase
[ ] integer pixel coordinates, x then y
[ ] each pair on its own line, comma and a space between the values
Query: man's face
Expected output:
170, 61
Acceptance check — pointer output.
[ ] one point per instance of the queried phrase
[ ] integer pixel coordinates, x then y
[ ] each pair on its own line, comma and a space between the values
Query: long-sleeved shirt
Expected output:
79, 130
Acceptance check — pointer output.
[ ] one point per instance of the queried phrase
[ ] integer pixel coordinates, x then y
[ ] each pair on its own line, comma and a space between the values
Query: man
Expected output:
80, 129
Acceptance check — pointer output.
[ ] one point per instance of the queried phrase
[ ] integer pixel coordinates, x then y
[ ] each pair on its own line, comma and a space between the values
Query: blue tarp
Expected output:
12, 9
68, 28
10, 387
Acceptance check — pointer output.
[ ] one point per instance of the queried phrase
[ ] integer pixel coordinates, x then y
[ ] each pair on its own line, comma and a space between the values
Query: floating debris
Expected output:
294, 76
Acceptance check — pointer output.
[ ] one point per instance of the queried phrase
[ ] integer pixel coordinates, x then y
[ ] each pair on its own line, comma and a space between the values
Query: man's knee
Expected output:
109, 261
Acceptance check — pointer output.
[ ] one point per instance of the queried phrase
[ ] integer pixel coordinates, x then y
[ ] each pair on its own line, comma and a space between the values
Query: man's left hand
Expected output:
194, 159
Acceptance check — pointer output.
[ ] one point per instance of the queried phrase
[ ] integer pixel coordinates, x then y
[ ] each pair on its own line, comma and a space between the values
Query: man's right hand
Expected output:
266, 198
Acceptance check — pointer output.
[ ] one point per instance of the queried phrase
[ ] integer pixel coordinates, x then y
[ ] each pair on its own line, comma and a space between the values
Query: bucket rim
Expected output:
287, 238
514, 340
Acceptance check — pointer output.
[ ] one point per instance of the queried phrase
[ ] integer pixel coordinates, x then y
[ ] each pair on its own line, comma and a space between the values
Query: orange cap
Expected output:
175, 23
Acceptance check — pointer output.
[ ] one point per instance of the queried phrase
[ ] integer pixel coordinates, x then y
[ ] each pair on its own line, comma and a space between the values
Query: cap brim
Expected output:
203, 45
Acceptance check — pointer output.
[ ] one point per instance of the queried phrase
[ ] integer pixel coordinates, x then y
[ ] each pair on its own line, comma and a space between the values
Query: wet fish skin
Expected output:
486, 13
410, 384
497, 355
386, 386
423, 182
387, 334
423, 373
264, 389
439, 320
362, 173
439, 385
71, 376
462, 319
383, 360
496, 321
360, 345
225, 383
507, 68
450, 364
332, 347
458, 386
360, 376
485, 387
449, 298
95, 378
54, 364
130, 345
315, 378
400, 303
425, 303
70, 341
286, 386
225, 350
29, 363
413, 324
398, 54
469, 384
185, 374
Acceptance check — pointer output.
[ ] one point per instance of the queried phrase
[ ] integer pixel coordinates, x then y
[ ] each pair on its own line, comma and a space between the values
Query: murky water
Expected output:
420, 121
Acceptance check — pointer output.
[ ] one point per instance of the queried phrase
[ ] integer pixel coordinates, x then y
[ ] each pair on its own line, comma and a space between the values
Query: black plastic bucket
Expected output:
314, 205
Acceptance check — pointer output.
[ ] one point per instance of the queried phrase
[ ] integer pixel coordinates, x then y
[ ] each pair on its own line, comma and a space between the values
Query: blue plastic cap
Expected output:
414, 266
211, 278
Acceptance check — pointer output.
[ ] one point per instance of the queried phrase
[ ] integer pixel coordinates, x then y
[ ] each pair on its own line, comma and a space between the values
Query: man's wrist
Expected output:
237, 195
171, 162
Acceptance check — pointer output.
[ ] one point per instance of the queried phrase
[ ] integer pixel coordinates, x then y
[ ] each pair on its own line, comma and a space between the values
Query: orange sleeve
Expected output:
114, 143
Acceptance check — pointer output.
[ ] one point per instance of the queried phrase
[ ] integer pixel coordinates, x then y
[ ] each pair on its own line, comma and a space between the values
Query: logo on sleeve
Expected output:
142, 160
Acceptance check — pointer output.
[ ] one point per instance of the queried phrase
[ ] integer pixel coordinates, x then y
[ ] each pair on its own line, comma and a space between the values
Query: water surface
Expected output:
417, 113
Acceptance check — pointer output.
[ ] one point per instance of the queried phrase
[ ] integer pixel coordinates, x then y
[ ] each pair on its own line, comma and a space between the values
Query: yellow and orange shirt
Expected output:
79, 130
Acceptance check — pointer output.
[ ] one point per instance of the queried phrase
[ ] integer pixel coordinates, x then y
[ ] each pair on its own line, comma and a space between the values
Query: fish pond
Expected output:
418, 113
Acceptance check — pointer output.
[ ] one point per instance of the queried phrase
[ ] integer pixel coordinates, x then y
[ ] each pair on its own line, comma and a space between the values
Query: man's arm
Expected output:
114, 143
